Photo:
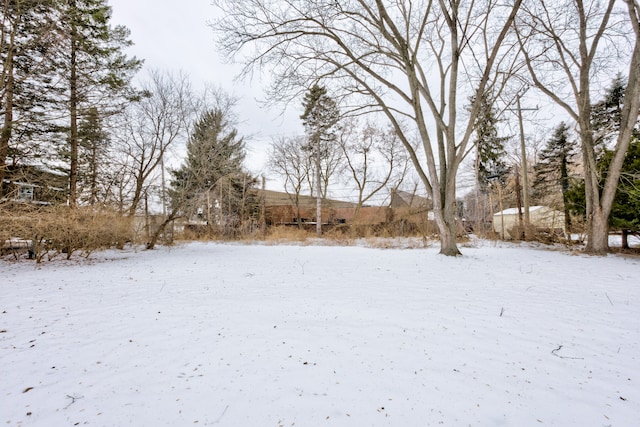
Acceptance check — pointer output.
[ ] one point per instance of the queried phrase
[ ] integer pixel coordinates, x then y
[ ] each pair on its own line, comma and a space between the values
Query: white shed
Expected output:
541, 217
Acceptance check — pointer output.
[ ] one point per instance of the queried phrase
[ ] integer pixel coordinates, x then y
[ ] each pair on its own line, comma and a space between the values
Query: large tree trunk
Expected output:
137, 195
151, 244
598, 239
94, 175
602, 201
73, 111
7, 126
448, 245
445, 215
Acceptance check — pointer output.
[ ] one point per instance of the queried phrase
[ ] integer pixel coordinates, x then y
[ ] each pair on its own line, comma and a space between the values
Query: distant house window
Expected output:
25, 192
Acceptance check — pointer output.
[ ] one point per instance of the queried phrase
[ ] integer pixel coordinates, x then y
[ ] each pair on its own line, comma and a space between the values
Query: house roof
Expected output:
401, 198
514, 211
278, 198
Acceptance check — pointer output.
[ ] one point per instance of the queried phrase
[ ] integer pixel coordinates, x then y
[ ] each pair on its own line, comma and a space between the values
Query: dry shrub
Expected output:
488, 235
192, 232
56, 230
283, 233
340, 235
391, 229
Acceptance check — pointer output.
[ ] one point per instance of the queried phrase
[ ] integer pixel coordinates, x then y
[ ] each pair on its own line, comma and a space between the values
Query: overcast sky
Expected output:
174, 35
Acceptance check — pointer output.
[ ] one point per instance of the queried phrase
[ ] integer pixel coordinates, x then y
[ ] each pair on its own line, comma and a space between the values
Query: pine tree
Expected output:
553, 167
94, 67
606, 114
625, 213
320, 120
92, 156
27, 45
213, 166
320, 117
606, 118
490, 151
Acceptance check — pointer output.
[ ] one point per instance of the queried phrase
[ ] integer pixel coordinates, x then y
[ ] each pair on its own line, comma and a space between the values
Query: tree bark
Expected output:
625, 239
445, 217
7, 126
73, 109
598, 243
151, 244
447, 228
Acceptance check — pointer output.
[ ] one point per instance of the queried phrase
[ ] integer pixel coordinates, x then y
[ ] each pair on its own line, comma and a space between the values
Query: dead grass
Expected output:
287, 234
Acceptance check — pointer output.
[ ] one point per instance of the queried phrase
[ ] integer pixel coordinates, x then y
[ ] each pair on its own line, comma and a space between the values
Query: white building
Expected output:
543, 218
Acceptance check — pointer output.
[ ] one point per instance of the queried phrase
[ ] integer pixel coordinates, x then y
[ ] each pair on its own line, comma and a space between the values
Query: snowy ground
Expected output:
254, 335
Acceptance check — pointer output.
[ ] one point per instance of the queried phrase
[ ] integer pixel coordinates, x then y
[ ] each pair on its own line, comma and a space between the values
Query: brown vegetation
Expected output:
56, 230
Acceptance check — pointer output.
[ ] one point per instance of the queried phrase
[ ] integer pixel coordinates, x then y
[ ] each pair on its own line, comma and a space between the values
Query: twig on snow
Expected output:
301, 264
607, 295
554, 352
221, 415
73, 400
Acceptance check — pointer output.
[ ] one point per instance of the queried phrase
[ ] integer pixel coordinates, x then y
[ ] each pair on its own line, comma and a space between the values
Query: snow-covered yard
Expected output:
255, 335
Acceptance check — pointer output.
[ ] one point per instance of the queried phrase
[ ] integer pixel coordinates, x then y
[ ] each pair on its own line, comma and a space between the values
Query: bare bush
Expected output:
56, 230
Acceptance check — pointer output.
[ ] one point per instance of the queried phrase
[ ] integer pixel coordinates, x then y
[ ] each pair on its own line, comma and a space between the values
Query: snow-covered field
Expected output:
255, 335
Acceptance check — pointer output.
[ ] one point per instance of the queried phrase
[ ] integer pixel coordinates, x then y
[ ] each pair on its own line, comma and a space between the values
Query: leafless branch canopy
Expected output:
419, 61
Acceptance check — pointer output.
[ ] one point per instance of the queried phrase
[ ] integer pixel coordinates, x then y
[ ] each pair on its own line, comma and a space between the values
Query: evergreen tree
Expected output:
606, 114
213, 166
27, 46
490, 151
93, 152
625, 212
606, 119
320, 119
552, 170
95, 70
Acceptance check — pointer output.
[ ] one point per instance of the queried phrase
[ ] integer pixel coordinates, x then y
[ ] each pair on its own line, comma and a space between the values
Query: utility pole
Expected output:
525, 172
524, 166
263, 219
519, 205
318, 189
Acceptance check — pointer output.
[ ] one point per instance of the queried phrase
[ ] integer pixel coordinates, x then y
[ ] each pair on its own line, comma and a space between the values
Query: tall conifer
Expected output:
27, 47
553, 168
94, 67
490, 150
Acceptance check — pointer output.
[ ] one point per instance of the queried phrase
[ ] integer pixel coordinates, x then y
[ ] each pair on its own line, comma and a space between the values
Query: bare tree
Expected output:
118, 183
151, 128
417, 61
290, 161
375, 159
570, 47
